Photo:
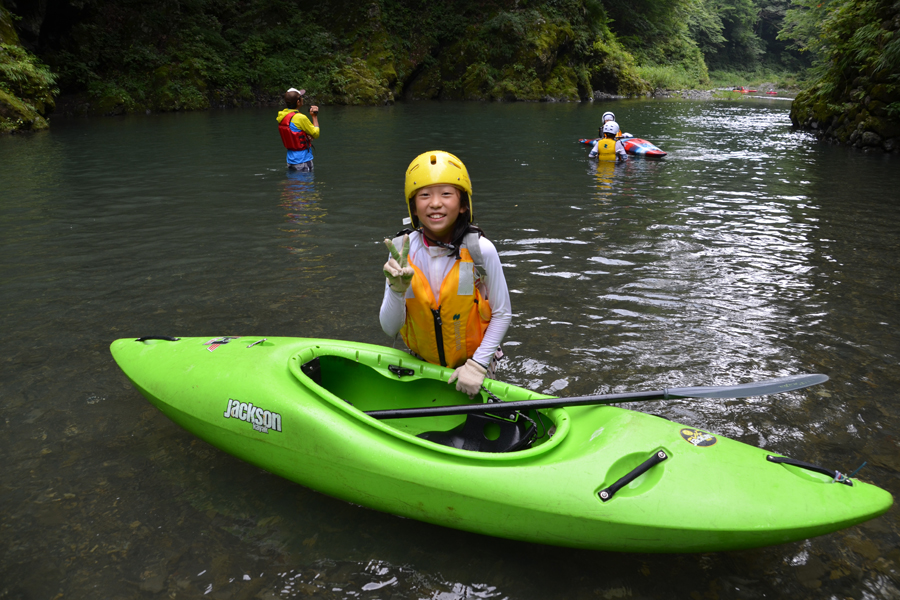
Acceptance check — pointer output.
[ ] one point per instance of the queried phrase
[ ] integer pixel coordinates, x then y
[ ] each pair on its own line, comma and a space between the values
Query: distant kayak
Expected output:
634, 146
743, 90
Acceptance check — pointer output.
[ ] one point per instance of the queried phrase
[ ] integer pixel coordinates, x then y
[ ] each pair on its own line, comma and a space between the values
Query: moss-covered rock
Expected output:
17, 115
562, 84
515, 55
108, 99
26, 85
178, 87
8, 33
612, 70
357, 83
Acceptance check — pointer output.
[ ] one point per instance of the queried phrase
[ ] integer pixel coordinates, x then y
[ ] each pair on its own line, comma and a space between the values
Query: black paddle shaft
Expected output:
744, 390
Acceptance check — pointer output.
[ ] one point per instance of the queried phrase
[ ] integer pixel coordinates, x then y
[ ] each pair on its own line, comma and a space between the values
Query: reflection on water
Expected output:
303, 209
300, 199
605, 171
749, 252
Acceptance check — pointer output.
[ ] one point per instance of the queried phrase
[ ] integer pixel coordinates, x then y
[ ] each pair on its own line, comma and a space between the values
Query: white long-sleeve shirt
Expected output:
435, 262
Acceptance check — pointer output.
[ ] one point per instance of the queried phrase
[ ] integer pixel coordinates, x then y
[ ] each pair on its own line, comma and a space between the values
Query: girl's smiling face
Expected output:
438, 207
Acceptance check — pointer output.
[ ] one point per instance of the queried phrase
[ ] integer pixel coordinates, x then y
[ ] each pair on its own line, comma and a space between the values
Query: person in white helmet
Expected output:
608, 116
445, 292
607, 147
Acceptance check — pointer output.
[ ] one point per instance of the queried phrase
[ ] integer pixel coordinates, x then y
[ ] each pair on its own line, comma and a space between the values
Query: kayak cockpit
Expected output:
358, 381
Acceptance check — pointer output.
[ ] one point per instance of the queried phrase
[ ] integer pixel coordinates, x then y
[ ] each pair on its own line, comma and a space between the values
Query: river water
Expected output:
750, 252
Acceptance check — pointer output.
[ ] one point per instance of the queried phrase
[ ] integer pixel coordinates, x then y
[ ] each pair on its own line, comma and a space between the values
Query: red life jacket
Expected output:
292, 140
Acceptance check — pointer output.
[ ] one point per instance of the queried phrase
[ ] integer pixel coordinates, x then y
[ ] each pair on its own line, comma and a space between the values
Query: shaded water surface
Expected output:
750, 252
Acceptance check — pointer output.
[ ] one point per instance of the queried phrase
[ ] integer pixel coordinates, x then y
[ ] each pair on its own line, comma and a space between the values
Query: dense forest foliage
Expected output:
127, 55
119, 56
26, 86
855, 95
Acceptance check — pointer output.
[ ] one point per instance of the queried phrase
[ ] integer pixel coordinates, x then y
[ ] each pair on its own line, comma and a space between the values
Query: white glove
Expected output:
398, 272
468, 378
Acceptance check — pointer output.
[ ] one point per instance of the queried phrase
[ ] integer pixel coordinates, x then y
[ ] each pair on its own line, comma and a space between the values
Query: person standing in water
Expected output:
445, 292
608, 116
608, 147
297, 132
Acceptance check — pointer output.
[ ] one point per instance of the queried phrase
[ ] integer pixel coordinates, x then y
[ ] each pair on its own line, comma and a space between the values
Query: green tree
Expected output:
741, 48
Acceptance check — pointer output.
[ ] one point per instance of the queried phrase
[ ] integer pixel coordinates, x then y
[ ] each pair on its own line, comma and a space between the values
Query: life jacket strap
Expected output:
470, 243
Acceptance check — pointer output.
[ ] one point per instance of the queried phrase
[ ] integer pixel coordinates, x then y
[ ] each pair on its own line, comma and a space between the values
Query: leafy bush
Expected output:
665, 77
24, 76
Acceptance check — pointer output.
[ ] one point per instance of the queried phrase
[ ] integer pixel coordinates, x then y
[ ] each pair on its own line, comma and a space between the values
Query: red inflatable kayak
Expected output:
634, 146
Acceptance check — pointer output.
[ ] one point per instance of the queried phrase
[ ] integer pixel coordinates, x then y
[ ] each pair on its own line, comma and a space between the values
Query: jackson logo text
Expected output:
262, 420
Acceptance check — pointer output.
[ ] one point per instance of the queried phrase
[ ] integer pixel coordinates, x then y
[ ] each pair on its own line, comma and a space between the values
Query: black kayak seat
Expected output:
486, 433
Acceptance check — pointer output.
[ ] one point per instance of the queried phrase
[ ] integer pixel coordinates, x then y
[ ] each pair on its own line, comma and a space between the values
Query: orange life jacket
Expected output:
448, 330
292, 140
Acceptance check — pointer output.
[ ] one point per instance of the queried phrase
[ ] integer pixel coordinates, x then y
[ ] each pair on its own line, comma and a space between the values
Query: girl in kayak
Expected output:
445, 292
607, 147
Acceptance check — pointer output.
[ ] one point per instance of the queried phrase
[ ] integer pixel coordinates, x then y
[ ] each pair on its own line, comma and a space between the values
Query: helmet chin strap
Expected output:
432, 242
452, 247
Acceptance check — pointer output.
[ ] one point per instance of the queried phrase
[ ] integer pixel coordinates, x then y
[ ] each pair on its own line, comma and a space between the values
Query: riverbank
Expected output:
80, 105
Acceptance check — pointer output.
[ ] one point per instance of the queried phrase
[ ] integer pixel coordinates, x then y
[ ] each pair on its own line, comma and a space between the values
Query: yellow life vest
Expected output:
606, 148
446, 331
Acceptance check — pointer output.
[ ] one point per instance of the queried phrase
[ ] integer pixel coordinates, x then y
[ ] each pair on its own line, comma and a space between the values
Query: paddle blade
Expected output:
746, 390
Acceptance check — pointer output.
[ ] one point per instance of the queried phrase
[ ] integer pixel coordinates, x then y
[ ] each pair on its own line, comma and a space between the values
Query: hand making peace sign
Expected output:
397, 270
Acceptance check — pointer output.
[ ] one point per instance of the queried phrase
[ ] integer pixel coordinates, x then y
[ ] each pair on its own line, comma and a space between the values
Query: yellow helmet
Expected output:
434, 168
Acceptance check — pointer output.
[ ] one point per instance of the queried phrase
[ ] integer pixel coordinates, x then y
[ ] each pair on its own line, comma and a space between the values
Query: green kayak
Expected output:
590, 476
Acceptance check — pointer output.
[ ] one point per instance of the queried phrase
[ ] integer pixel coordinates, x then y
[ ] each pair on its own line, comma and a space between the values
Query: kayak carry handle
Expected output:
400, 371
158, 337
655, 459
836, 475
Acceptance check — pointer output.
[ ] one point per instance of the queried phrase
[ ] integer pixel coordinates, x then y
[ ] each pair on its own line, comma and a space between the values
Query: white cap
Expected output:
301, 92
